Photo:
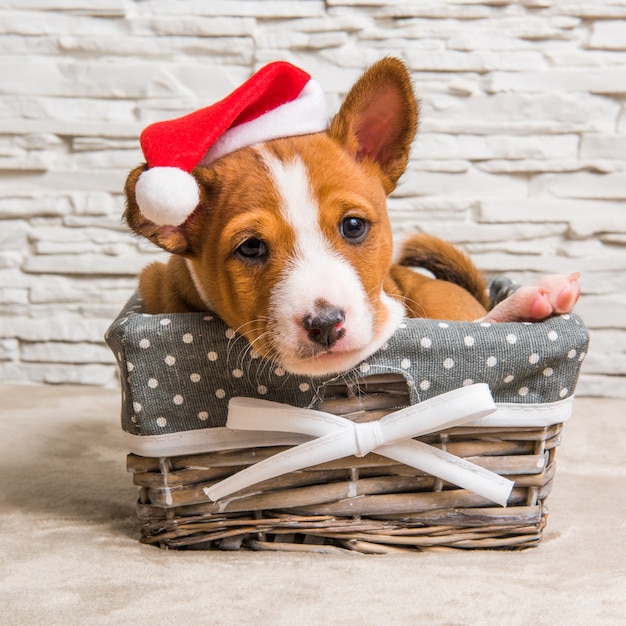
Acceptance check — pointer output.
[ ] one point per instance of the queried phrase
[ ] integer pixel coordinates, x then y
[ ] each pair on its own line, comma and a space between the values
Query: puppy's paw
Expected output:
550, 295
562, 291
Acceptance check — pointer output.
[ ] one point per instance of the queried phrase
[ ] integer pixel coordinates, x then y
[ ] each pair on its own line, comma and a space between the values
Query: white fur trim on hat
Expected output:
302, 116
167, 195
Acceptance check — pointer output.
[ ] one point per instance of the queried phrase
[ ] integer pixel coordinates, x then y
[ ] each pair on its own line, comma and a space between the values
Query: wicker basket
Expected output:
179, 373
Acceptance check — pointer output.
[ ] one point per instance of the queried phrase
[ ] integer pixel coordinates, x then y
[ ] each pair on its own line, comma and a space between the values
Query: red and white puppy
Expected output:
291, 243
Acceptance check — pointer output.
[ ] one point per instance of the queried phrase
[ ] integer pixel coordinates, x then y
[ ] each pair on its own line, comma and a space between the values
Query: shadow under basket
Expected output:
399, 454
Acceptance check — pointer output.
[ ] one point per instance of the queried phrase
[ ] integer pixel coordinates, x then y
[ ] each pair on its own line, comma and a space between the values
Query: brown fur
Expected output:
351, 168
459, 291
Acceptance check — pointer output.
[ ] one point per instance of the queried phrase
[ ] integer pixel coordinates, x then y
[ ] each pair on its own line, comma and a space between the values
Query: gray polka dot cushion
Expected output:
178, 371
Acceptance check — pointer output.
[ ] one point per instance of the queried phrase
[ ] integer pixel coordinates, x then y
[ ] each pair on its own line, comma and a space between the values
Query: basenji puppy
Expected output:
291, 245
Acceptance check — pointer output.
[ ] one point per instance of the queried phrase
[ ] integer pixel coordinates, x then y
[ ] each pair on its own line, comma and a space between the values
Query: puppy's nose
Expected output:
325, 325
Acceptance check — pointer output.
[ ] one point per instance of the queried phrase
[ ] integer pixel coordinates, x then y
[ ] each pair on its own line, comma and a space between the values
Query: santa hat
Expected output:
280, 100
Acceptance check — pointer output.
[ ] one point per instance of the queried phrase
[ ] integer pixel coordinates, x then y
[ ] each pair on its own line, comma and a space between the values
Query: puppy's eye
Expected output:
354, 229
252, 249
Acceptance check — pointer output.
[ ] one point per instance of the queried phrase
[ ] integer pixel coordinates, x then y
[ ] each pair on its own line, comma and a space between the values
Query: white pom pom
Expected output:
167, 195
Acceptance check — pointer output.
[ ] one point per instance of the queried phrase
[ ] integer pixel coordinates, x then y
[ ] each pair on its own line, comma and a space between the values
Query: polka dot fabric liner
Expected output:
178, 371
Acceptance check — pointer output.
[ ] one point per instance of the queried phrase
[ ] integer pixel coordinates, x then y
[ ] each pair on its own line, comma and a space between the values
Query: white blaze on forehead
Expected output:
316, 271
298, 207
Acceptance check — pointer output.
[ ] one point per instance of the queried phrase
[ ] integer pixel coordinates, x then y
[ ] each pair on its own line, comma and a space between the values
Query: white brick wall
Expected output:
521, 157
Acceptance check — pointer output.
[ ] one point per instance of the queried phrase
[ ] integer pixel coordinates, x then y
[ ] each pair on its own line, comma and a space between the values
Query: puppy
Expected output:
290, 242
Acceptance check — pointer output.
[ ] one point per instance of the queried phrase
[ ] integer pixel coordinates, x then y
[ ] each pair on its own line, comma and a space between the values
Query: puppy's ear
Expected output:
174, 239
378, 119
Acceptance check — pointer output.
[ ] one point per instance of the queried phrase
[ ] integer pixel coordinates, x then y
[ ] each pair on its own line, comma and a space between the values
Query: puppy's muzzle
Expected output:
325, 325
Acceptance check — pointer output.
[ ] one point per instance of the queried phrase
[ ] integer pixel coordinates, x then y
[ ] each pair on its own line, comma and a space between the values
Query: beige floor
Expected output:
69, 552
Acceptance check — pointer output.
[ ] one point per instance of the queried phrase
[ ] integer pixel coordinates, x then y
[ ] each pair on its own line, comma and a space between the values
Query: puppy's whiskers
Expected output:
255, 325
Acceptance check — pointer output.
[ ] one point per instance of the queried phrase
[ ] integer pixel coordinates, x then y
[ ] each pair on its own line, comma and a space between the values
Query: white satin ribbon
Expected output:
392, 436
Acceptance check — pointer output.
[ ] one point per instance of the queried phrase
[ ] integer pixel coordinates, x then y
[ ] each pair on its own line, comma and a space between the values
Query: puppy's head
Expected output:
290, 243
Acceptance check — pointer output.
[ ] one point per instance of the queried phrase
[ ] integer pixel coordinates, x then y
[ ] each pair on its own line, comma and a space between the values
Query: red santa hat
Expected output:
280, 100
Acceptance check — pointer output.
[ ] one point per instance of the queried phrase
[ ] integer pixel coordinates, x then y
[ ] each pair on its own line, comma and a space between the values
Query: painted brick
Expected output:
603, 283
481, 61
78, 247
621, 125
95, 203
514, 113
266, 9
441, 165
548, 210
112, 222
607, 344
445, 146
45, 107
13, 234
60, 182
86, 264
14, 278
589, 59
520, 159
581, 185
477, 234
106, 8
608, 35
417, 207
602, 311
59, 290
10, 259
590, 227
25, 205
541, 246
109, 80
352, 57
24, 163
60, 374
603, 146
62, 235
605, 81
470, 183
38, 23
101, 159
13, 295
355, 22
508, 32
613, 238
591, 10
291, 39
600, 385
91, 144
232, 50
535, 166
192, 26
503, 262
9, 350
58, 352
98, 310
410, 8
70, 328
336, 78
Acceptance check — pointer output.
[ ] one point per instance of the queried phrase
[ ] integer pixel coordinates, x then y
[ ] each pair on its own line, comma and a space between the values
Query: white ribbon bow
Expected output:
391, 436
